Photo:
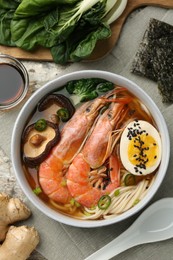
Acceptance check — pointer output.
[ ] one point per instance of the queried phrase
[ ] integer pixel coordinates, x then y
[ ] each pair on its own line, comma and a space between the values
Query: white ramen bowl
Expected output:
29, 107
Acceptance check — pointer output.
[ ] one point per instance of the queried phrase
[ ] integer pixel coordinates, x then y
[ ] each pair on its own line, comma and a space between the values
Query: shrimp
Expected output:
53, 169
95, 171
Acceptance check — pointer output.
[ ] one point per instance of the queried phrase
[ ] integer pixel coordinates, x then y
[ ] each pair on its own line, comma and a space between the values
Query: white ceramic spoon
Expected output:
154, 224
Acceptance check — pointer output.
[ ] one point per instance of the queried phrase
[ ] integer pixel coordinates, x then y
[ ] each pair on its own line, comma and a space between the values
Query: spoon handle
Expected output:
126, 240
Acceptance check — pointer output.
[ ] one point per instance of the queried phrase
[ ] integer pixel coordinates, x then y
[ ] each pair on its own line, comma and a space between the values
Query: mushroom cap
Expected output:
58, 99
36, 145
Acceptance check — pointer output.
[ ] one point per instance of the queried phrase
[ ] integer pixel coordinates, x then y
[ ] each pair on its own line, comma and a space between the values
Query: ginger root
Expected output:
11, 211
20, 241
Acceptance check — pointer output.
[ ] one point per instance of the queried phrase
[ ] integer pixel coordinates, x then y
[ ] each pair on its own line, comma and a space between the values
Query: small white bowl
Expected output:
51, 86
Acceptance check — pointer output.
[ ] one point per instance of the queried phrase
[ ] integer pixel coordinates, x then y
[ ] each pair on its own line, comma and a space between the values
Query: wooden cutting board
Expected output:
103, 47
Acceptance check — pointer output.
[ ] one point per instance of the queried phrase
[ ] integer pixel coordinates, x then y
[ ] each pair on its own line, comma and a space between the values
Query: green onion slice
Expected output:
73, 202
104, 202
129, 180
136, 202
63, 114
117, 192
40, 125
37, 190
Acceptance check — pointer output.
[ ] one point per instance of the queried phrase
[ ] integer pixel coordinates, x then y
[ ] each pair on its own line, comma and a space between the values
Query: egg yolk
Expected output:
143, 151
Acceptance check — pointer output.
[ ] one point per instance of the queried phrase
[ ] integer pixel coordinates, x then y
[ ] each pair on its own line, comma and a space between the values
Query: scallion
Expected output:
104, 202
129, 180
37, 190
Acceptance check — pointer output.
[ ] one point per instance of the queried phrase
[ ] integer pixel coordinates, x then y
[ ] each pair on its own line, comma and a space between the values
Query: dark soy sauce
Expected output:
11, 84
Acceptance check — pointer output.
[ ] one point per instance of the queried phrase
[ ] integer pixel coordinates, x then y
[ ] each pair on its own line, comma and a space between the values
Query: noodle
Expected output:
127, 198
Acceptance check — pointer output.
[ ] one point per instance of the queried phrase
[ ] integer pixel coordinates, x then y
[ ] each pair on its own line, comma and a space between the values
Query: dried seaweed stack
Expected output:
154, 58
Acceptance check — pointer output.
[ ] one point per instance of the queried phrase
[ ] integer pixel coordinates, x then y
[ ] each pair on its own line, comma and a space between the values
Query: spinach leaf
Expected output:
79, 45
30, 8
7, 9
61, 53
65, 25
87, 45
51, 19
10, 4
29, 33
5, 27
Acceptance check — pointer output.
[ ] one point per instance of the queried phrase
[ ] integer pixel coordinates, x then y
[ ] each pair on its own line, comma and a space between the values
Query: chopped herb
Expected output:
64, 183
73, 202
130, 179
136, 202
93, 208
87, 213
37, 190
77, 204
116, 193
104, 202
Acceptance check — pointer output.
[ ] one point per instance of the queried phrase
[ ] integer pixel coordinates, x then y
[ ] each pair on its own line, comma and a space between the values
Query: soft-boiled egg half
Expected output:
140, 148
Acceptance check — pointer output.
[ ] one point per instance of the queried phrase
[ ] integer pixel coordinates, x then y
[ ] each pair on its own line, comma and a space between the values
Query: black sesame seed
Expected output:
136, 169
136, 146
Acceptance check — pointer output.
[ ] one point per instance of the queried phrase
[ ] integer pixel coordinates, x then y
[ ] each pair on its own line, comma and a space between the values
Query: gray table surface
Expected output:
78, 243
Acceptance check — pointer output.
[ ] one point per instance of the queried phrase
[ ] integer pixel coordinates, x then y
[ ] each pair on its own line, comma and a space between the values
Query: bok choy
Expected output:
70, 28
89, 88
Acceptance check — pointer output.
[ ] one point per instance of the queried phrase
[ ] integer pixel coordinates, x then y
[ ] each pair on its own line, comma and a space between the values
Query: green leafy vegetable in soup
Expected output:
88, 89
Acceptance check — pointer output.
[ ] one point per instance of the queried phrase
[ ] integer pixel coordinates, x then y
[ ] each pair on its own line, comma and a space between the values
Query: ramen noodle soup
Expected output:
93, 159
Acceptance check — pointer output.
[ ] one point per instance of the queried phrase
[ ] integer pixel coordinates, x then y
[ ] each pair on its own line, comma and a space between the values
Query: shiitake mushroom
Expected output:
36, 144
60, 100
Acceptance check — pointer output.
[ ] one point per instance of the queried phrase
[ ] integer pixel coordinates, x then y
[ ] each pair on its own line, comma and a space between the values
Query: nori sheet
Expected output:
165, 86
154, 59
